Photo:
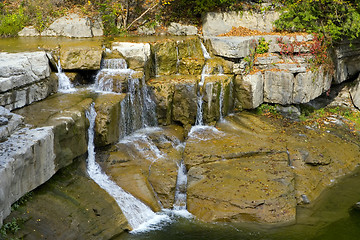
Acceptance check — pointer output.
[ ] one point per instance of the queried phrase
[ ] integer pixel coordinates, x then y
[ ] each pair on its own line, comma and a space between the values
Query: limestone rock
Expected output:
80, 58
218, 23
107, 120
67, 120
355, 93
217, 97
71, 206
24, 78
278, 87
74, 25
139, 170
166, 57
347, 61
217, 65
181, 30
27, 161
184, 101
232, 47
249, 90
8, 123
29, 32
136, 54
143, 30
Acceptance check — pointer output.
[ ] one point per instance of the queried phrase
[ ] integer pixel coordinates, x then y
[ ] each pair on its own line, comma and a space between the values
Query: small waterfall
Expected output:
64, 82
205, 52
200, 95
114, 63
137, 213
221, 100
180, 191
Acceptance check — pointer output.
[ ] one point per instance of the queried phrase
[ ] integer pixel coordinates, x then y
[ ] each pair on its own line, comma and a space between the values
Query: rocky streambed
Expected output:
152, 103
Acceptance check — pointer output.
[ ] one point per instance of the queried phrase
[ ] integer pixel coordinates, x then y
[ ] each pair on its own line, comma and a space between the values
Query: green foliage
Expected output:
250, 61
262, 46
10, 227
266, 108
21, 201
333, 19
109, 14
12, 23
195, 8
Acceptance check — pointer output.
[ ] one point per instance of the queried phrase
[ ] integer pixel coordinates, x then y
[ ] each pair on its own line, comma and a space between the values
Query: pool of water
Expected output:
330, 217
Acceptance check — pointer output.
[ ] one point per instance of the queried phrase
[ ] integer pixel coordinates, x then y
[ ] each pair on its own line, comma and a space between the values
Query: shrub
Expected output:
12, 23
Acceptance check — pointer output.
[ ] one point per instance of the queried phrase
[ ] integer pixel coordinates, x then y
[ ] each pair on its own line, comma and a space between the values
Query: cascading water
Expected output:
64, 82
137, 213
180, 191
205, 52
221, 100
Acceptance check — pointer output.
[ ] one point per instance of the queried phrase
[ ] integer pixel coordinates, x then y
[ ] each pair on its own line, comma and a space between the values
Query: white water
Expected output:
180, 191
65, 85
221, 100
139, 216
205, 52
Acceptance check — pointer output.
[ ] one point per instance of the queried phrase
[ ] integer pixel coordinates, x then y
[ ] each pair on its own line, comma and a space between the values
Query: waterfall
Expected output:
200, 95
180, 191
137, 213
221, 100
205, 52
64, 82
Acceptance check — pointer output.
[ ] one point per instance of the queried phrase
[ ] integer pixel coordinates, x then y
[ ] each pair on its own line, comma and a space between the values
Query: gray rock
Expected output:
278, 87
309, 85
291, 112
346, 60
182, 30
136, 54
218, 23
74, 25
27, 161
29, 32
8, 123
143, 30
232, 47
355, 92
97, 28
23, 77
249, 90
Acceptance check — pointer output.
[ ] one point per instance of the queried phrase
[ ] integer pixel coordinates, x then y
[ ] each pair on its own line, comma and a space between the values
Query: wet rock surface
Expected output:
256, 169
145, 164
70, 206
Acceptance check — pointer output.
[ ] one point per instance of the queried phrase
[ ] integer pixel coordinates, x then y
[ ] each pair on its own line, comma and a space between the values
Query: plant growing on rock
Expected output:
262, 46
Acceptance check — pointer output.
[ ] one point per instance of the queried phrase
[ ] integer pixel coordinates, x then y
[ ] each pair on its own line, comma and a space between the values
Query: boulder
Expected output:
27, 160
218, 23
138, 162
355, 93
218, 65
346, 60
232, 47
278, 87
30, 31
70, 206
249, 90
107, 120
80, 58
167, 58
9, 122
143, 30
181, 30
24, 78
217, 97
67, 121
137, 55
74, 25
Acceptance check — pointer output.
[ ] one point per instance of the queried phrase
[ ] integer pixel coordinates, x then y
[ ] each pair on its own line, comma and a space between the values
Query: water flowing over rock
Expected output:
180, 193
65, 84
136, 212
24, 78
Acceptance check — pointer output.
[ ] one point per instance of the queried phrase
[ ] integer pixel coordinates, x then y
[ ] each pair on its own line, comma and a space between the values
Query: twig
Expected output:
147, 10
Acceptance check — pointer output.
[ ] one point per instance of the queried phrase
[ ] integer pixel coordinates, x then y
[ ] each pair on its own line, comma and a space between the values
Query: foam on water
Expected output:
65, 84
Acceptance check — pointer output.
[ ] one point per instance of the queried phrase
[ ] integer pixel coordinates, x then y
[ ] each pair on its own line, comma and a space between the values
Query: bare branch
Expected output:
147, 10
